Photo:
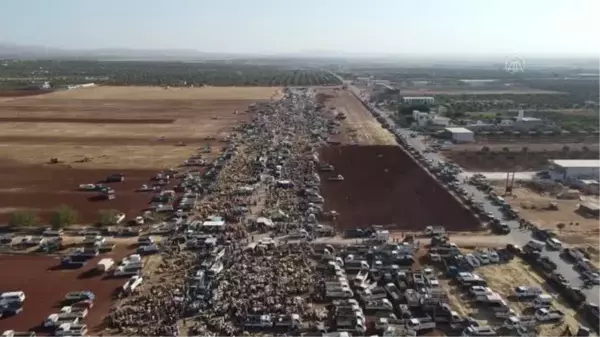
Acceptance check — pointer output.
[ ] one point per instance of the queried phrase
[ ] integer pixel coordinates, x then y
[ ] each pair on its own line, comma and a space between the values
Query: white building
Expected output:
460, 135
572, 169
418, 100
423, 118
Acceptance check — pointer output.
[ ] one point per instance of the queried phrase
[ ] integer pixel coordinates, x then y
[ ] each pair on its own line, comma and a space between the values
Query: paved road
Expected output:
519, 237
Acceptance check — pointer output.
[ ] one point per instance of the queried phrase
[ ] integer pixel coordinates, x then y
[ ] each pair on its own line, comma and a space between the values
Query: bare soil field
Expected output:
43, 188
359, 127
101, 130
440, 91
575, 139
503, 278
384, 186
22, 93
45, 285
532, 207
471, 158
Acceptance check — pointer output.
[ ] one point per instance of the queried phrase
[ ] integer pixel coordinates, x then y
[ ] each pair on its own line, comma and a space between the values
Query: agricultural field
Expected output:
517, 157
101, 130
383, 185
217, 73
359, 127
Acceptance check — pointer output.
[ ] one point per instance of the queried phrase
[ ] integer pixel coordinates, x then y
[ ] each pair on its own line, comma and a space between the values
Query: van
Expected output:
554, 244
12, 297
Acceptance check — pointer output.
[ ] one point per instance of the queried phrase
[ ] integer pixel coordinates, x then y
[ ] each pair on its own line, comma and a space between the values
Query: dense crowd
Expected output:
269, 172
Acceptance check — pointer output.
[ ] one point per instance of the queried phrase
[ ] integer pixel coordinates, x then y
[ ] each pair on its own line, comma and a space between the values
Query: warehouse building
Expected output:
419, 100
460, 135
573, 169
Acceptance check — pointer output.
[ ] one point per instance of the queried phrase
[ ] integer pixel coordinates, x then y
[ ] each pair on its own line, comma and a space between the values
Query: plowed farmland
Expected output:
384, 186
97, 131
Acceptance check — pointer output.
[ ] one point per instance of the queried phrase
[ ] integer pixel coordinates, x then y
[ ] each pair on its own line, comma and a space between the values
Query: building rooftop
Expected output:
576, 162
458, 130
529, 119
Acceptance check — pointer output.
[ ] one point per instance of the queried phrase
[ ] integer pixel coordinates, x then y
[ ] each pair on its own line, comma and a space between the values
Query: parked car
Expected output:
80, 295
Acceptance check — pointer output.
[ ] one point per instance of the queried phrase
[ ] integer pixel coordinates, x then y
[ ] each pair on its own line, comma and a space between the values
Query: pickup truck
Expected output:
421, 324
393, 292
434, 230
523, 292
55, 320
516, 322
77, 311
549, 315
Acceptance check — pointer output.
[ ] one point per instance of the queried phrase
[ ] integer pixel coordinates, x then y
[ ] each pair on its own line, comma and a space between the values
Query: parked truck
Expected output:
434, 230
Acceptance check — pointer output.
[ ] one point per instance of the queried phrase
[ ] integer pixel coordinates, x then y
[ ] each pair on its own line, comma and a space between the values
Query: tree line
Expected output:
160, 73
61, 217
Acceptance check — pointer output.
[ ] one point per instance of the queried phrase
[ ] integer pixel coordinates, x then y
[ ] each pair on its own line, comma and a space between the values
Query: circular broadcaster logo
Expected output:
514, 64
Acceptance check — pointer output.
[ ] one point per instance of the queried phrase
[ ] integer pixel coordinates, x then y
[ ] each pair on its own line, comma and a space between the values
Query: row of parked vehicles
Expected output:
66, 322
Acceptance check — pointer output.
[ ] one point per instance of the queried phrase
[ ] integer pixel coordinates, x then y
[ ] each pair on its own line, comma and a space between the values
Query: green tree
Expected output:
107, 217
23, 219
63, 216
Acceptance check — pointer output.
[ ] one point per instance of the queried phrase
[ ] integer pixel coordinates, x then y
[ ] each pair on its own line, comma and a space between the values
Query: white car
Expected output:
133, 283
554, 244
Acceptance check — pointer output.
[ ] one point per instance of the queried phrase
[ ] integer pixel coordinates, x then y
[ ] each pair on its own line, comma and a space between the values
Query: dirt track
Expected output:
359, 127
45, 287
384, 186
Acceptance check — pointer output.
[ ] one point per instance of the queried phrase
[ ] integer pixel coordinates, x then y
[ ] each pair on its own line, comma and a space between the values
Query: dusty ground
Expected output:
43, 188
108, 118
134, 130
496, 160
359, 127
45, 286
503, 278
516, 91
531, 207
384, 186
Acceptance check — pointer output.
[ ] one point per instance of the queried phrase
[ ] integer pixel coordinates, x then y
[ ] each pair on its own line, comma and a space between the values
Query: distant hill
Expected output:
15, 51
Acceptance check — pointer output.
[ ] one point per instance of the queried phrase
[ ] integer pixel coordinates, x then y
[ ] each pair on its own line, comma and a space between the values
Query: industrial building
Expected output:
574, 169
418, 100
460, 135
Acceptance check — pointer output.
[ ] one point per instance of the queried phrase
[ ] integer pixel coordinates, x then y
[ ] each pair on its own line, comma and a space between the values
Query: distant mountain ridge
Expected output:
16, 51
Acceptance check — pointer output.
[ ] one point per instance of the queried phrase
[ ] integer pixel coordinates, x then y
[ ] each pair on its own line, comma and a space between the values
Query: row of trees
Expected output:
233, 73
61, 217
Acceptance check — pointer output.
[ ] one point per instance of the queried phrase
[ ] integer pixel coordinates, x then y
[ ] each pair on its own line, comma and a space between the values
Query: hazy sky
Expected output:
288, 26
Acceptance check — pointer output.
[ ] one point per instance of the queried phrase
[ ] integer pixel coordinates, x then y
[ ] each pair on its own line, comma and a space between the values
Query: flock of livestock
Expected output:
228, 282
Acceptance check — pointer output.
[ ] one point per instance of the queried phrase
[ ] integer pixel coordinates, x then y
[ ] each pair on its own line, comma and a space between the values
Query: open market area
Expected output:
282, 231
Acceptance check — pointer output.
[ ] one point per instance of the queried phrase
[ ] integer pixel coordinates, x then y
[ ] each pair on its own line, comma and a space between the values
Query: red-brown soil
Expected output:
495, 161
45, 285
384, 186
22, 93
45, 187
86, 120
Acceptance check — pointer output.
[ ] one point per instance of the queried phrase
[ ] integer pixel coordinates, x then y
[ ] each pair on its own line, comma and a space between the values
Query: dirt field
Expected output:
503, 278
531, 207
359, 127
45, 287
517, 91
384, 186
534, 159
43, 188
133, 130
